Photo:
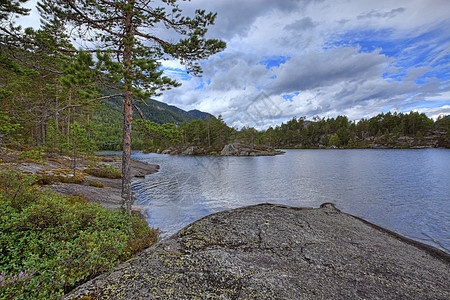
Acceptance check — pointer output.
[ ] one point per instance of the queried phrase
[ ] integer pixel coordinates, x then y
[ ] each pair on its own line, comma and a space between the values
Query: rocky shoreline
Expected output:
273, 251
110, 195
106, 191
233, 149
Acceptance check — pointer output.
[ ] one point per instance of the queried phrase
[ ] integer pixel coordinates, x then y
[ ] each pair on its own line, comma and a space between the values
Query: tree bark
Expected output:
126, 153
127, 199
88, 121
68, 115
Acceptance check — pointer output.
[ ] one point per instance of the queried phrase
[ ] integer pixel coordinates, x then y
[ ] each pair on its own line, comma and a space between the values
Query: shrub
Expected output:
47, 179
95, 183
104, 171
49, 243
31, 155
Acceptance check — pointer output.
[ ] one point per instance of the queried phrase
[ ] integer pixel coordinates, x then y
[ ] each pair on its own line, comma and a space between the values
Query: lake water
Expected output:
407, 191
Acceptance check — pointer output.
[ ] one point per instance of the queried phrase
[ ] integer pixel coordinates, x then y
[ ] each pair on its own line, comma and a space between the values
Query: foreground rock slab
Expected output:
278, 252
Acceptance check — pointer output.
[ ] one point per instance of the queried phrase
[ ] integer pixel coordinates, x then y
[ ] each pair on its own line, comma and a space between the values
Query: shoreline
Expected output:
108, 196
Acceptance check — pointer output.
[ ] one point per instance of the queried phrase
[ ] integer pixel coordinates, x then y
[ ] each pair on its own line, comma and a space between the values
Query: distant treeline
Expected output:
213, 134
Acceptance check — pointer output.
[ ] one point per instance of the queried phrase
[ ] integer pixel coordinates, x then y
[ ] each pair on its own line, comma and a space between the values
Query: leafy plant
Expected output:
55, 242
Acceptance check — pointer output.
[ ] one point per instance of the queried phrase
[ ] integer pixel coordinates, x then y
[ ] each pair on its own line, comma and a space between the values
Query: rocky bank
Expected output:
278, 252
233, 149
107, 194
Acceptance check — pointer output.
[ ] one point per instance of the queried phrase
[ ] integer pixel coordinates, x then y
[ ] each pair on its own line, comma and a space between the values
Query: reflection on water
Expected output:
406, 191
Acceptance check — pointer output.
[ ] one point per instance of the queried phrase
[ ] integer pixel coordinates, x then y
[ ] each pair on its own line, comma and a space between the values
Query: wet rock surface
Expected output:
277, 252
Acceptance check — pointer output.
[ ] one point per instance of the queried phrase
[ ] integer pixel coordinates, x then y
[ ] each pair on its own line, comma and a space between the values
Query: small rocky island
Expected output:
272, 251
233, 149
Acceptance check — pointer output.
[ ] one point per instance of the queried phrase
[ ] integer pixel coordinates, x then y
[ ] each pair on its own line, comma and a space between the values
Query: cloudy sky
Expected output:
289, 58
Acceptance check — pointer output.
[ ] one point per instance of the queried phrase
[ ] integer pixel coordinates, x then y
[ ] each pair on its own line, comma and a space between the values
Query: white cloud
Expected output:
357, 57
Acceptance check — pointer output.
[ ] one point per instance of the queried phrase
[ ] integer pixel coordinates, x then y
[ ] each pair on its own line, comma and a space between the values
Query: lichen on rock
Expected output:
272, 251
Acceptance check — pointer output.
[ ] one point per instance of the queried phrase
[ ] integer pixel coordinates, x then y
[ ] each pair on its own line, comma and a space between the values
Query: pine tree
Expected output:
8, 7
121, 33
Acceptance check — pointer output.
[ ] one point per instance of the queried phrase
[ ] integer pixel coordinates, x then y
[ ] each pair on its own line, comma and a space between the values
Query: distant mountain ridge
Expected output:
107, 121
159, 112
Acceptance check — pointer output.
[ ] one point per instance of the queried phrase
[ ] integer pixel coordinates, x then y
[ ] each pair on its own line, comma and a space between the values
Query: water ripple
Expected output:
403, 190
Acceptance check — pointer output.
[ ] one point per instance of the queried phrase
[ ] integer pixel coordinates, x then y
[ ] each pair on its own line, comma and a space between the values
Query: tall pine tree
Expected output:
122, 32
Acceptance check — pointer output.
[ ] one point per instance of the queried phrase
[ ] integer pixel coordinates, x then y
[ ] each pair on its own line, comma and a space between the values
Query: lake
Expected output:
406, 191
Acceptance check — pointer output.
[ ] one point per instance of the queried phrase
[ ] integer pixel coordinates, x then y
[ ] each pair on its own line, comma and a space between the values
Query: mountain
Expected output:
196, 114
161, 113
157, 111
107, 121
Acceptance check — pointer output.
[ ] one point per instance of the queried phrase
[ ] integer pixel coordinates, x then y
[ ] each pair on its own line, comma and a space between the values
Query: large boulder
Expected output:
279, 252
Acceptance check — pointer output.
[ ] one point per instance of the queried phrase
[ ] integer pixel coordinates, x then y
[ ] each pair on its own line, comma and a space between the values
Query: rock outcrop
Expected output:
278, 252
241, 149
233, 149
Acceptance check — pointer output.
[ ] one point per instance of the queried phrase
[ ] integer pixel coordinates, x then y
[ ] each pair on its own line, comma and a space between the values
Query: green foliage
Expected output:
78, 141
7, 125
443, 123
107, 126
107, 122
33, 155
78, 144
386, 128
104, 171
159, 136
47, 179
211, 133
12, 6
52, 140
334, 140
50, 243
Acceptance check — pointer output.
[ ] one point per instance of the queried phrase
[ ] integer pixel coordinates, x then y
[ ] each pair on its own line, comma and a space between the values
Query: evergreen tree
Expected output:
8, 7
78, 144
7, 126
128, 52
334, 140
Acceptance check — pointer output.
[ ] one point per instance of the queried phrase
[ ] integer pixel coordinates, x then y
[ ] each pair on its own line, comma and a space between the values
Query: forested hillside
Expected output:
107, 121
390, 130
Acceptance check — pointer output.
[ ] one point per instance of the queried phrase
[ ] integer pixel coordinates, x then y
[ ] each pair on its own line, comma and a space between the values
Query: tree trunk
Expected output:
56, 107
5, 100
43, 132
126, 154
127, 199
68, 115
88, 121
209, 137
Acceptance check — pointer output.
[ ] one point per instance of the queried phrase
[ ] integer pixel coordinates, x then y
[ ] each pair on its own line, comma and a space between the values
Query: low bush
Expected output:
104, 171
95, 183
31, 155
49, 243
46, 179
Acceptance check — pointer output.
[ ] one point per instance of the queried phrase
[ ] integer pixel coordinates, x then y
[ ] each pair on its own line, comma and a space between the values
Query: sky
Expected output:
306, 58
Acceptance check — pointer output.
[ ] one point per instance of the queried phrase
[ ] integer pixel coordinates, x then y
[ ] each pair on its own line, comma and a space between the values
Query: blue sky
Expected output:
290, 58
